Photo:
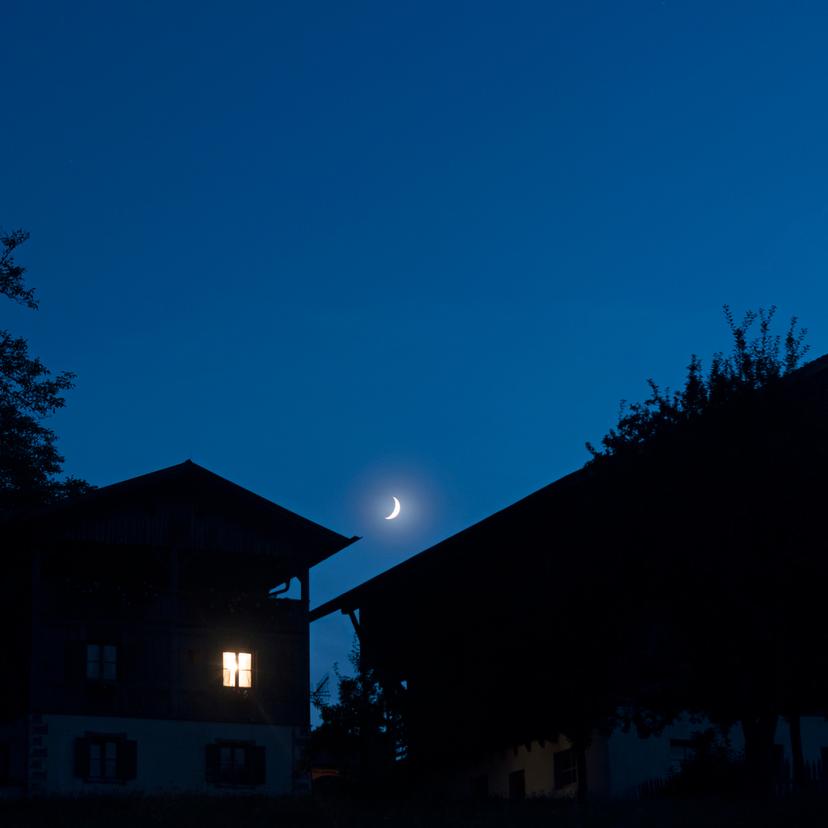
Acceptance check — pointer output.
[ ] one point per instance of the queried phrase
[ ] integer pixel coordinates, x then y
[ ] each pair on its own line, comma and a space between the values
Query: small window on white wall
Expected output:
105, 757
103, 760
238, 669
235, 764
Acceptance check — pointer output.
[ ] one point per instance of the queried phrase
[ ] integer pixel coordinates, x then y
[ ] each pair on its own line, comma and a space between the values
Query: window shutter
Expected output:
74, 662
132, 661
256, 769
5, 763
211, 755
127, 759
81, 757
122, 666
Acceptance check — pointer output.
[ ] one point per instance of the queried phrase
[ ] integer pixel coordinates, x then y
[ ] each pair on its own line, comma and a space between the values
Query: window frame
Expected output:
563, 772
123, 761
237, 670
517, 784
100, 674
252, 774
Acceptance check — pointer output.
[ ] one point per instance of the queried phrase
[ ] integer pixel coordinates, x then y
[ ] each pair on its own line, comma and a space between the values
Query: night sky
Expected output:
340, 251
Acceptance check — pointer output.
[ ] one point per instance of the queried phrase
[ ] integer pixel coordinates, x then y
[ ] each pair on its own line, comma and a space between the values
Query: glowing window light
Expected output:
237, 669
245, 670
229, 660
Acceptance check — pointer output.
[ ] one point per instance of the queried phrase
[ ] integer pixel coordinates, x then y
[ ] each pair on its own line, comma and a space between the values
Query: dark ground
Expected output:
252, 812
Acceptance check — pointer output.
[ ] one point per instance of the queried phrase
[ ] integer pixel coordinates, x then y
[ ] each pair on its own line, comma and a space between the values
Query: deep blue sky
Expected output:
340, 251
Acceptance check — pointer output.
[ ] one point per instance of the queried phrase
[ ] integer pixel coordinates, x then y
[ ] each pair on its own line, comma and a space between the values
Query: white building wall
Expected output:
537, 761
616, 765
170, 754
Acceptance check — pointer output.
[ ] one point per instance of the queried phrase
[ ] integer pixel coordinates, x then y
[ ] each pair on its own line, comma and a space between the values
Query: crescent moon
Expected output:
395, 511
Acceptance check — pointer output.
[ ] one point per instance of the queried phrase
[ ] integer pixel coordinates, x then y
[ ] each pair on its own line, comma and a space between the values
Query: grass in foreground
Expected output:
259, 812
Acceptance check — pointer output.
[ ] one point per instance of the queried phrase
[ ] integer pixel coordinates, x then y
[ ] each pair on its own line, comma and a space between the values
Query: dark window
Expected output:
517, 785
479, 786
566, 768
778, 761
235, 763
232, 763
102, 757
101, 662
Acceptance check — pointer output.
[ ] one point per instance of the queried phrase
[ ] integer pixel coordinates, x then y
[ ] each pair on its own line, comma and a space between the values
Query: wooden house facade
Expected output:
149, 647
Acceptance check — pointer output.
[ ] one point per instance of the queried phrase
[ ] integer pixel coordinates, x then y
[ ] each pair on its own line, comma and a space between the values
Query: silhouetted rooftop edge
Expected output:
816, 369
194, 474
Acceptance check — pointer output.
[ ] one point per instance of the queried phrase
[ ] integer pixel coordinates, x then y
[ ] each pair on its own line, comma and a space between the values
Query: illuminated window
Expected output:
101, 662
238, 669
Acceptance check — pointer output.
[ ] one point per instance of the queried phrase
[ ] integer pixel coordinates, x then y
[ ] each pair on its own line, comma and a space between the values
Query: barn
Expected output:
584, 639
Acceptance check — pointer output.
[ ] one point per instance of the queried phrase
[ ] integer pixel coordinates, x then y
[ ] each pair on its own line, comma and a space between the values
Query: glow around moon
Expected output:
395, 511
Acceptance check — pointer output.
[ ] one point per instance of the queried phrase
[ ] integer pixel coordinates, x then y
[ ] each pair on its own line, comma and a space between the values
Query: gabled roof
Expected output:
190, 482
535, 510
428, 563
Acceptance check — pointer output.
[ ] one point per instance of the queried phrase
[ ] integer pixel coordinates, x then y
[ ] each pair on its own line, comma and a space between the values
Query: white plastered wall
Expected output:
170, 754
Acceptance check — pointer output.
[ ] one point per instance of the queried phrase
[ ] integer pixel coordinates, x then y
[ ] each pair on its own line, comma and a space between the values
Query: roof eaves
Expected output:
349, 601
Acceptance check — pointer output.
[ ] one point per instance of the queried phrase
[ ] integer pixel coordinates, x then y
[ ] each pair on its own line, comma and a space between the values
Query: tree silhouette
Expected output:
754, 364
362, 732
715, 487
30, 463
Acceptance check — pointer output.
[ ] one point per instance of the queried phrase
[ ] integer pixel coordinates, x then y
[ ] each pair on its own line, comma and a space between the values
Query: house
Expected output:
510, 640
151, 645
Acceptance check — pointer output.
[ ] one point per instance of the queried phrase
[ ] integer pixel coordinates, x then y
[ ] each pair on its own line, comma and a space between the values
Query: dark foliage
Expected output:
754, 364
361, 733
30, 464
11, 273
713, 768
712, 499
